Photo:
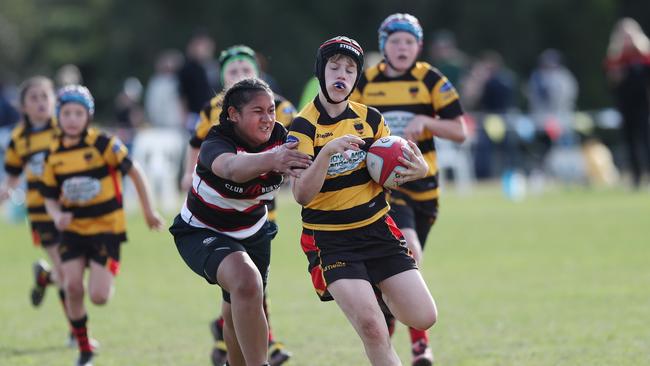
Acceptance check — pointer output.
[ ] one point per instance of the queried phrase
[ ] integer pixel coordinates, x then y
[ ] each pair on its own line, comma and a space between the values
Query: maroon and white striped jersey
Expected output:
234, 209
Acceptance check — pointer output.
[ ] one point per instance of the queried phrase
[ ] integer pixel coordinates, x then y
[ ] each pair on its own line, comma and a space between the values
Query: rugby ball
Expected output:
381, 160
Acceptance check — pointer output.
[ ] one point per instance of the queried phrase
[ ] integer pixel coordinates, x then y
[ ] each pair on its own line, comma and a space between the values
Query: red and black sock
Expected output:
81, 333
419, 335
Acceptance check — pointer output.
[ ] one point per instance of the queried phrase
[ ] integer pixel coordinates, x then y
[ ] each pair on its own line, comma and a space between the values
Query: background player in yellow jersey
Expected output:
30, 142
418, 103
351, 243
82, 186
237, 63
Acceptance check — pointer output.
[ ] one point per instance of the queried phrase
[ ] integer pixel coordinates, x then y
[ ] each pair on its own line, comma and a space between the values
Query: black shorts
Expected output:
103, 249
45, 234
203, 249
410, 214
373, 253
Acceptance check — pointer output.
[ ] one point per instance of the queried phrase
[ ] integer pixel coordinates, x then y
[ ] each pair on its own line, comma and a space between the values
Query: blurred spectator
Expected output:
161, 100
446, 57
628, 71
552, 91
128, 112
68, 74
489, 88
194, 87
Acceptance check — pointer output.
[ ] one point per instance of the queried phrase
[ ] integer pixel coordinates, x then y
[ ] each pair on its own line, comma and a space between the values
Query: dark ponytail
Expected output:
240, 94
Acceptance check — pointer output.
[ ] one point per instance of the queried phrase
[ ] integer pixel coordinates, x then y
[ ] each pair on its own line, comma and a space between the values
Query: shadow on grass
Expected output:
15, 352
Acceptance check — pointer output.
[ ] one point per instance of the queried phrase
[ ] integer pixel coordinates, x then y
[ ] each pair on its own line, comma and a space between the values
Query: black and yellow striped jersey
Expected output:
209, 116
26, 153
421, 90
87, 179
349, 198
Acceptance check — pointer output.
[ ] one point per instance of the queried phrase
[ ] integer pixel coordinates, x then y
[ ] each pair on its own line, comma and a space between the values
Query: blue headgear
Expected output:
75, 94
399, 22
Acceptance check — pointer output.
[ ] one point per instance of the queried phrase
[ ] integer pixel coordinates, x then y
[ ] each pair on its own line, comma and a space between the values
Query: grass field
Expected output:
561, 279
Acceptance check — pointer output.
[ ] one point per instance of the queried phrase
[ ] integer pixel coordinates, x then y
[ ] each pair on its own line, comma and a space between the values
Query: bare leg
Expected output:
359, 304
413, 243
409, 299
100, 284
73, 285
238, 275
235, 356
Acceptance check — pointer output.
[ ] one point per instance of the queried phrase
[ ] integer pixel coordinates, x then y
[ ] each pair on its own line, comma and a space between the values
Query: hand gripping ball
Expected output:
381, 160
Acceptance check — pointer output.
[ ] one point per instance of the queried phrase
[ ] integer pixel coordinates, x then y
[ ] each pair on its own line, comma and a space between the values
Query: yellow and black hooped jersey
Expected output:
87, 179
422, 90
209, 116
26, 153
349, 198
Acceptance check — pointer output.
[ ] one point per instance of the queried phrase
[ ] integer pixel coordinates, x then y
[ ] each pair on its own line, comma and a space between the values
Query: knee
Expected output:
74, 289
373, 331
99, 297
426, 320
248, 285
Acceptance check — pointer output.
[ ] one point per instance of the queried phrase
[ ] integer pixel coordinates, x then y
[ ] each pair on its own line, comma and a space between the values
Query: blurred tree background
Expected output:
113, 39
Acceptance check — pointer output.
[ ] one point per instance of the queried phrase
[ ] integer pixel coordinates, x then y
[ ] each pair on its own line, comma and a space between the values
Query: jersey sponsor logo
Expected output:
259, 189
81, 189
209, 240
291, 138
36, 164
324, 135
341, 163
397, 121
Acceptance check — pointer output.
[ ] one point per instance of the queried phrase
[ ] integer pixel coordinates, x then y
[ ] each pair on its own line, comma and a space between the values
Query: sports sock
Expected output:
417, 335
81, 332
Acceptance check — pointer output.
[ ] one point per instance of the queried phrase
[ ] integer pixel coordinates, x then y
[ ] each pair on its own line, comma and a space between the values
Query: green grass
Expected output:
561, 279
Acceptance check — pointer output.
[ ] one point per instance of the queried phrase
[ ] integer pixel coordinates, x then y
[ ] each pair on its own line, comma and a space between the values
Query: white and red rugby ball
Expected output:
381, 160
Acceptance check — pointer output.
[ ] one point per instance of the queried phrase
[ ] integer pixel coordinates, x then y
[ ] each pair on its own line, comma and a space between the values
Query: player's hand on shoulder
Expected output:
287, 160
416, 166
343, 143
